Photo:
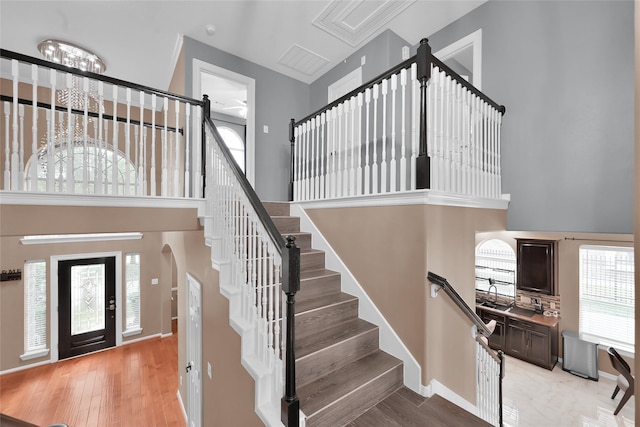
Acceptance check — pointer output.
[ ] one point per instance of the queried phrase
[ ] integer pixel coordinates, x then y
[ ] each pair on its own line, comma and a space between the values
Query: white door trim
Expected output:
53, 293
344, 85
473, 40
200, 67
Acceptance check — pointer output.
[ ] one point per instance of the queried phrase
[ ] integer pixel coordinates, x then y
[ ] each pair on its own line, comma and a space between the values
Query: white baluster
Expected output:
403, 130
334, 154
20, 180
499, 126
85, 136
100, 157
127, 143
374, 170
341, 108
323, 161
485, 147
176, 157
140, 188
7, 151
383, 163
164, 184
351, 180
305, 160
13, 181
114, 169
392, 165
298, 163
70, 143
465, 141
312, 159
33, 170
187, 150
367, 167
51, 139
359, 145
415, 120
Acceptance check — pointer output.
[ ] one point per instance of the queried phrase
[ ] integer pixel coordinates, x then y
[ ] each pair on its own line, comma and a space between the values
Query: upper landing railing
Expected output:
417, 126
70, 131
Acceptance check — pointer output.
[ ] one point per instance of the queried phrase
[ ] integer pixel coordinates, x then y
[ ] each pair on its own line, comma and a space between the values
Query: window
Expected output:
607, 294
132, 271
496, 263
96, 158
35, 309
234, 143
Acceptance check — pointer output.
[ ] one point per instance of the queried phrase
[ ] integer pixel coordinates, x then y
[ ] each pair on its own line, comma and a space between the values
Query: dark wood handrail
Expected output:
121, 83
462, 305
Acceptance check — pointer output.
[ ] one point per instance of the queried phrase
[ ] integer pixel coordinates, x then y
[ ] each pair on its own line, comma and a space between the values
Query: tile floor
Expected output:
537, 397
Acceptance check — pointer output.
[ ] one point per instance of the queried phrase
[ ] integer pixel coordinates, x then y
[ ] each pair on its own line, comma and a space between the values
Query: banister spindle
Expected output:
383, 161
392, 163
70, 135
367, 167
15, 159
323, 148
423, 166
292, 154
114, 170
7, 151
403, 132
290, 405
359, 146
34, 129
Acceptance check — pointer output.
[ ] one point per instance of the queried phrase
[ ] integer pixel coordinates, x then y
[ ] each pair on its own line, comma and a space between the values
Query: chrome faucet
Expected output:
495, 288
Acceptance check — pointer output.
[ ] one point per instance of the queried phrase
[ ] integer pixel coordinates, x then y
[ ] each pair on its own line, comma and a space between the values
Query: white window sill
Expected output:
131, 332
34, 354
603, 344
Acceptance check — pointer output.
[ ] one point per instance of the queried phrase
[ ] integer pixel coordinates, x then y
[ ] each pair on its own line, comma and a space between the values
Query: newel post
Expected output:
206, 115
292, 139
290, 405
423, 163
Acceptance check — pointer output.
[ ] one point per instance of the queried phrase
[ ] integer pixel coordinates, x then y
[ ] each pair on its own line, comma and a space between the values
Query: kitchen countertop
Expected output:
540, 319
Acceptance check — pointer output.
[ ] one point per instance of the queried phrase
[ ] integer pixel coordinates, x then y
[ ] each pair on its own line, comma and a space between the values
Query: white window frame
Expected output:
500, 267
621, 274
134, 329
30, 318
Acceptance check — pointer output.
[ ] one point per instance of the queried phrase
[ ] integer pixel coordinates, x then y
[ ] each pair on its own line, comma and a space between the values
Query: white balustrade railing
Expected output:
79, 133
240, 240
489, 370
368, 142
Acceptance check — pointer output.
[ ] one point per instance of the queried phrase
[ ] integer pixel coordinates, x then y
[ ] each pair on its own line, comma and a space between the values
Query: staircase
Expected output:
340, 370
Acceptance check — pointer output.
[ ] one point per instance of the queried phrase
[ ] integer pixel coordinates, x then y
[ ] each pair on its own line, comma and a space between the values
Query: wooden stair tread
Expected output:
339, 384
318, 340
313, 274
311, 304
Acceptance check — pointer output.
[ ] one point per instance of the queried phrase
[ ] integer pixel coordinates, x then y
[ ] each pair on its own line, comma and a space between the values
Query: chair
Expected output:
625, 380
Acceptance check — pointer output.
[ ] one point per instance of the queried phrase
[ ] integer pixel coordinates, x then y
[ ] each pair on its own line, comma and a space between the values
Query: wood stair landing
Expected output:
341, 372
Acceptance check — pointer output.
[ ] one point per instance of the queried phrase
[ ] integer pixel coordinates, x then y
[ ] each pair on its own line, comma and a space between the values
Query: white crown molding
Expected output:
78, 238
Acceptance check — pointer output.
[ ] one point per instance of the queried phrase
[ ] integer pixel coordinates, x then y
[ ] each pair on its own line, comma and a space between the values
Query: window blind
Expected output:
607, 293
132, 269
35, 305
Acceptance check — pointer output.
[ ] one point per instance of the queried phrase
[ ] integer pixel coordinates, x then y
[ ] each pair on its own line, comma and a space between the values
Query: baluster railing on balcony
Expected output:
419, 125
93, 134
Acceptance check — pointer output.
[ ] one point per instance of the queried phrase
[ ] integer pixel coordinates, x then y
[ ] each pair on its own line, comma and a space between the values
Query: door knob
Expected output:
188, 367
112, 304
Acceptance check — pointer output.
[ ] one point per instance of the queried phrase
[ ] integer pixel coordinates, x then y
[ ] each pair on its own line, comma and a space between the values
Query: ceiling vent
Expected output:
303, 60
355, 21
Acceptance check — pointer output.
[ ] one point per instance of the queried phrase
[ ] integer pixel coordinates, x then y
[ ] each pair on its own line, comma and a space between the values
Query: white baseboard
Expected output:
141, 339
184, 412
436, 387
23, 367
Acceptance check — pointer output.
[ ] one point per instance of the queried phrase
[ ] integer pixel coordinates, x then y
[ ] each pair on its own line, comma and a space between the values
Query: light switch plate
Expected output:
265, 129
209, 371
154, 281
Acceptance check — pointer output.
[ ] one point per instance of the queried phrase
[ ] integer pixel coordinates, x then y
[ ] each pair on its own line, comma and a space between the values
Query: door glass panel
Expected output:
87, 298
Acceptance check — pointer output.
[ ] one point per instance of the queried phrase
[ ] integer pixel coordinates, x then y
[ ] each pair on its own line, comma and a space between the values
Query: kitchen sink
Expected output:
495, 305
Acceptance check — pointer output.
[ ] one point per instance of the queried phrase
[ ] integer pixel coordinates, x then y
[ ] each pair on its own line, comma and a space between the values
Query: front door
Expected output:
86, 305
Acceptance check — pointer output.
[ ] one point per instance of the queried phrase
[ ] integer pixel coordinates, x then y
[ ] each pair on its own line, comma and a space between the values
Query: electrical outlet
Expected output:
209, 370
552, 305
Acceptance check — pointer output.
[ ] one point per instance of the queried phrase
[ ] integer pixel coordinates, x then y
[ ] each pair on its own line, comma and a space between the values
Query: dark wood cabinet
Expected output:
537, 265
532, 342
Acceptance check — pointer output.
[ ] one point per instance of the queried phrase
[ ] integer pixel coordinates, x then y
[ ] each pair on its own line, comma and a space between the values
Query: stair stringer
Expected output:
390, 342
267, 377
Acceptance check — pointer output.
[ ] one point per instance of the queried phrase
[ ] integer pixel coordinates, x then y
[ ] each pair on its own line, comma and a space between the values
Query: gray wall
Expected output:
382, 53
278, 99
564, 70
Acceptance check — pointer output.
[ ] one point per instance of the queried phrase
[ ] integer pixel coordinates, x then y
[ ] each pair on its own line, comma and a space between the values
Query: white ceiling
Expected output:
139, 40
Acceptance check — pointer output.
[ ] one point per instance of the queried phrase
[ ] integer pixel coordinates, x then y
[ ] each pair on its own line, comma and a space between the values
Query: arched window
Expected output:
92, 165
496, 264
235, 144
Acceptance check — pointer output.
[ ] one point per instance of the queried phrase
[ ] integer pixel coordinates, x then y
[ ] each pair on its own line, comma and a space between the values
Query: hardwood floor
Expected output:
131, 385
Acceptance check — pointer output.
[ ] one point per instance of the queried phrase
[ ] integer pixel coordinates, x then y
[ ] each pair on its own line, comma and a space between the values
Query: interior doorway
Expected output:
194, 352
232, 98
464, 56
